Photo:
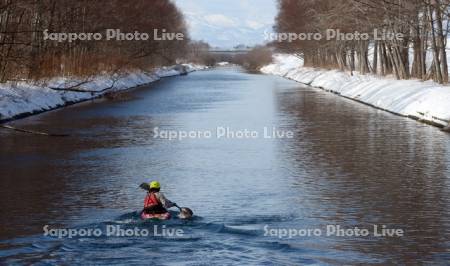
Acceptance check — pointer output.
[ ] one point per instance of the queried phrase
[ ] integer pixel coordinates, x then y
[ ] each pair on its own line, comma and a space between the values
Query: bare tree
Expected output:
422, 23
25, 54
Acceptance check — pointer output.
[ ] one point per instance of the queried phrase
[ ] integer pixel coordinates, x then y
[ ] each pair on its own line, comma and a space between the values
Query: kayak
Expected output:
159, 216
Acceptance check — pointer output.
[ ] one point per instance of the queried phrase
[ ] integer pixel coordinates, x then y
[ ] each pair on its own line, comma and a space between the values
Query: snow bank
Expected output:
426, 101
194, 67
23, 98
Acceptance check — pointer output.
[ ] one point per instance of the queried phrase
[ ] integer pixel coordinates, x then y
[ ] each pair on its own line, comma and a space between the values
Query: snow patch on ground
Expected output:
426, 101
223, 63
23, 97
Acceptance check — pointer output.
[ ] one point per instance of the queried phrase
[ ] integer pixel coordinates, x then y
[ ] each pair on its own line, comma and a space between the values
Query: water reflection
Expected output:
348, 165
366, 167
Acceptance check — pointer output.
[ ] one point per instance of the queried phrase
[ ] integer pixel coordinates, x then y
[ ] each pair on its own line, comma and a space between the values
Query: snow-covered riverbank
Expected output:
426, 101
21, 99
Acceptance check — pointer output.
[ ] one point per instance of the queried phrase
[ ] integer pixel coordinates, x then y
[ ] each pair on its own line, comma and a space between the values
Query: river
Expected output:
348, 165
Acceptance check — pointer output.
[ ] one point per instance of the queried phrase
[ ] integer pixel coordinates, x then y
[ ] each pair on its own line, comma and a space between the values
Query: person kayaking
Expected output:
155, 203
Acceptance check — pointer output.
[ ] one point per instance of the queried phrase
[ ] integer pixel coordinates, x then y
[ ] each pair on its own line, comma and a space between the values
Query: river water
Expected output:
348, 165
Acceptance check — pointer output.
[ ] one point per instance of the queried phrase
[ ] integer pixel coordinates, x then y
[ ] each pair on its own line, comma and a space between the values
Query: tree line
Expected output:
420, 53
26, 54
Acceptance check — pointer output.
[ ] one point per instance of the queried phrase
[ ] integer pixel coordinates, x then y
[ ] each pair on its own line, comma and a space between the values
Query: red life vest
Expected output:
151, 201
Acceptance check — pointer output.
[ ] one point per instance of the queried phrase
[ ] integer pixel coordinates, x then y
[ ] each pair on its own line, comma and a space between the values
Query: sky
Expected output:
226, 23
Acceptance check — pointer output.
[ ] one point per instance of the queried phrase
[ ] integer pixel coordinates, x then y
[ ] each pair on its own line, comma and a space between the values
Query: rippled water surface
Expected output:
348, 165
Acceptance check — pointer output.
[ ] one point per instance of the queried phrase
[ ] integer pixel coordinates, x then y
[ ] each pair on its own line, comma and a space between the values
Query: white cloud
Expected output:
220, 20
226, 23
254, 24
